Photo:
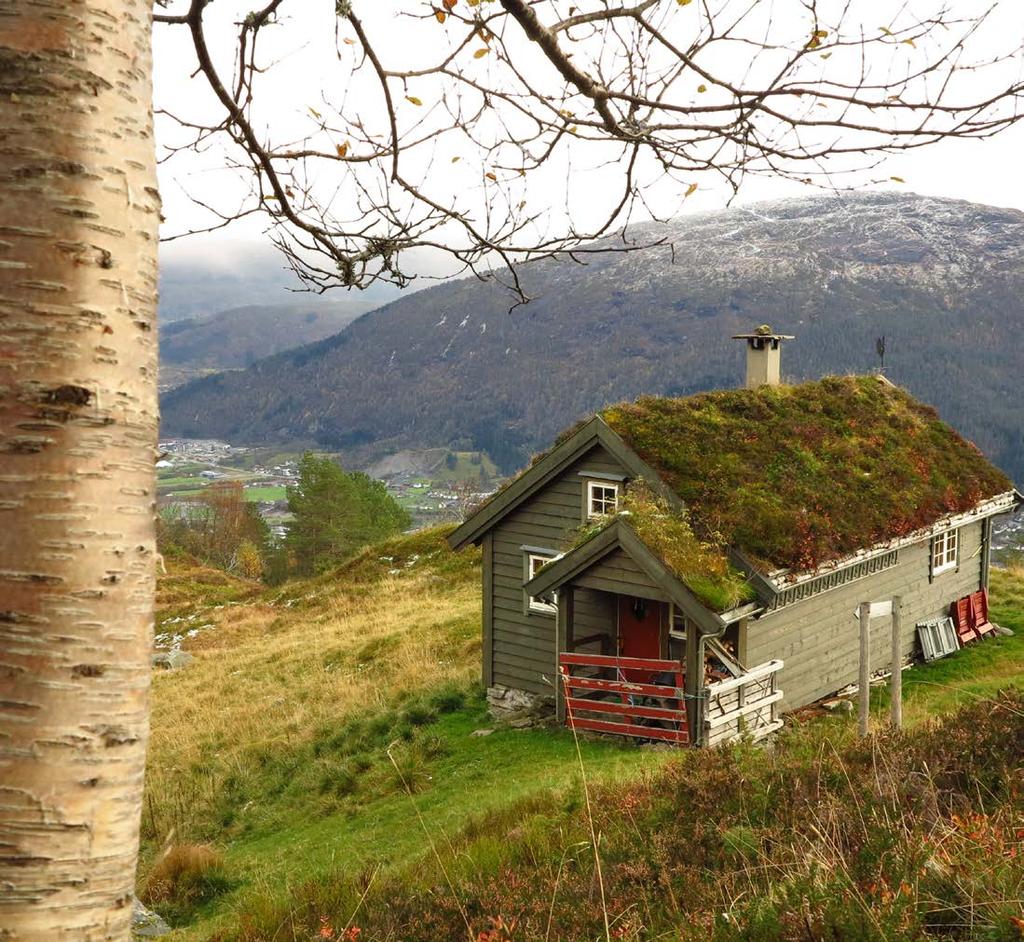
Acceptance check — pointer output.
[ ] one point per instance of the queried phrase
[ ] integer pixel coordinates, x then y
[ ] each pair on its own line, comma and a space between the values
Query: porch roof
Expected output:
619, 535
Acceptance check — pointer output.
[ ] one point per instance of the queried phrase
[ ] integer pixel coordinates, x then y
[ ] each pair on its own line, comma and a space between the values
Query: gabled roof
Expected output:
618, 534
570, 448
794, 477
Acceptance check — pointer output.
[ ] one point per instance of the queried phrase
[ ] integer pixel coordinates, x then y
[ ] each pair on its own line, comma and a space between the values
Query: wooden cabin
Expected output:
685, 569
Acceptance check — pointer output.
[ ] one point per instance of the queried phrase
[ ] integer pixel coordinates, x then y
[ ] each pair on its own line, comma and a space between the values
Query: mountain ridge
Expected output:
450, 366
237, 337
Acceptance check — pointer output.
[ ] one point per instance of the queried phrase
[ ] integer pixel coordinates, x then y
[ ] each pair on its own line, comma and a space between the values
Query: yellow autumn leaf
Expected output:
413, 100
690, 190
491, 176
342, 149
455, 160
314, 112
701, 89
684, 3
439, 15
909, 42
480, 53
897, 179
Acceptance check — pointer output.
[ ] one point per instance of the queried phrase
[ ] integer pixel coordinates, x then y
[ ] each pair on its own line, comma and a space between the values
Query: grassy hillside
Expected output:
292, 740
319, 750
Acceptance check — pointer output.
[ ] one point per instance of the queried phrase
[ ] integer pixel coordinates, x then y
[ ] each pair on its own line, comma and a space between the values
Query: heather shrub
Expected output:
904, 836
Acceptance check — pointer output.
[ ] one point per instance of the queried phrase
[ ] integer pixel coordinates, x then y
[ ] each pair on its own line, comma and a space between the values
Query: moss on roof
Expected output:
797, 476
702, 567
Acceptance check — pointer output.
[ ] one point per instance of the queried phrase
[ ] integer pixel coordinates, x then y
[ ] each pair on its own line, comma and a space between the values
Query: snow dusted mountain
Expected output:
942, 279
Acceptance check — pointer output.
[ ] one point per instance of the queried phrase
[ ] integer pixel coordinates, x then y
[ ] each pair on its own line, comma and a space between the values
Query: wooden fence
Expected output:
626, 696
743, 706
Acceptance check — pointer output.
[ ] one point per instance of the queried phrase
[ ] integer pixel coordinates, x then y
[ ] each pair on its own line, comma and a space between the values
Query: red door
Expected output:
639, 632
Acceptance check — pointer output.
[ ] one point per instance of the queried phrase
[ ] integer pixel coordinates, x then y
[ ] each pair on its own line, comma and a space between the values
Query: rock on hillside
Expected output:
942, 279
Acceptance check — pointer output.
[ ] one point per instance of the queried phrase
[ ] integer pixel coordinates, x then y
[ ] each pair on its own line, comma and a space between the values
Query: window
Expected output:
533, 563
944, 551
601, 498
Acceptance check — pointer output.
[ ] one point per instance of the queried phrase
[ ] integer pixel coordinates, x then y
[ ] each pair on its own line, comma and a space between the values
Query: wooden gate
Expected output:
743, 706
598, 696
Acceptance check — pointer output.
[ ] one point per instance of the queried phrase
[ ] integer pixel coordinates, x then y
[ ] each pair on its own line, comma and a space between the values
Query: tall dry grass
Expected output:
272, 672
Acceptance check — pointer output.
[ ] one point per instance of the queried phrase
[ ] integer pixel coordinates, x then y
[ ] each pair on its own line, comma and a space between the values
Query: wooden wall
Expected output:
522, 643
618, 573
818, 637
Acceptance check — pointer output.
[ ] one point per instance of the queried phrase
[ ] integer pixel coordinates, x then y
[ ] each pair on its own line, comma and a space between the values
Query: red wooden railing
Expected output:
625, 696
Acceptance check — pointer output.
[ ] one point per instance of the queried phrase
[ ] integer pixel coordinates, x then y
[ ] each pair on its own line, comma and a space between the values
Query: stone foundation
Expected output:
520, 709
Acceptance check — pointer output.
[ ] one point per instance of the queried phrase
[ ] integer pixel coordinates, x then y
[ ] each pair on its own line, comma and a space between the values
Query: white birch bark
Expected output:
78, 418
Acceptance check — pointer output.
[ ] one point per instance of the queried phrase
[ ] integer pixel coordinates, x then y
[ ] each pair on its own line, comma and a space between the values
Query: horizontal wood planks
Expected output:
611, 704
679, 736
523, 653
618, 573
818, 638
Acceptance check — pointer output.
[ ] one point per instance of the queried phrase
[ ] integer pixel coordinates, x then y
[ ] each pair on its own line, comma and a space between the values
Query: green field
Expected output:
269, 493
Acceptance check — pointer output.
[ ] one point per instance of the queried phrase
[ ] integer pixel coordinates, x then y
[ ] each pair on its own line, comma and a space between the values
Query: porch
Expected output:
638, 655
646, 699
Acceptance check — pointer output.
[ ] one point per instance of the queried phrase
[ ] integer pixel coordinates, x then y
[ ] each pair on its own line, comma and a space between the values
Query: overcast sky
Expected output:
988, 171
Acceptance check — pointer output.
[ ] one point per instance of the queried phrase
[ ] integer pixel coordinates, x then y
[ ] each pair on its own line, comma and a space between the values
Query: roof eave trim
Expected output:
507, 500
594, 431
782, 579
618, 535
567, 565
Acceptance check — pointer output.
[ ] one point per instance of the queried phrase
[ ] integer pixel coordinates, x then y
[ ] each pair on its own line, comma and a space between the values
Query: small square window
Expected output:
944, 551
602, 499
534, 561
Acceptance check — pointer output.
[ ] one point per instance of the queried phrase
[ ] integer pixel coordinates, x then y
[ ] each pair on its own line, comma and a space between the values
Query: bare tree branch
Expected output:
654, 94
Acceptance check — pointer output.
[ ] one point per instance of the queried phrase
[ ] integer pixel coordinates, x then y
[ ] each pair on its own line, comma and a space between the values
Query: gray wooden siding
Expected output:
618, 573
818, 638
523, 651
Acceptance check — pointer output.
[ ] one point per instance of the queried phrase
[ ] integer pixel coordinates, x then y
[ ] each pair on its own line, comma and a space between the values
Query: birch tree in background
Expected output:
78, 420
439, 154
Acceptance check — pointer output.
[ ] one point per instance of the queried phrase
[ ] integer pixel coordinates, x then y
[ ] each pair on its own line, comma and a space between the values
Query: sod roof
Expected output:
797, 476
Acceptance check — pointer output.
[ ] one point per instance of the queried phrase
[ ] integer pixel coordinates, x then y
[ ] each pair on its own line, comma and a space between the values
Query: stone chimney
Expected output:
764, 354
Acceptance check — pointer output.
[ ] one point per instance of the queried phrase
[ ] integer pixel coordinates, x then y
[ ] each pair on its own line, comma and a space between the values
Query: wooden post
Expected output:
896, 677
563, 631
693, 683
864, 691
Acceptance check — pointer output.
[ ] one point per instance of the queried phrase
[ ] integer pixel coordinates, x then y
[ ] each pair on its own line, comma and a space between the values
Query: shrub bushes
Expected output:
901, 837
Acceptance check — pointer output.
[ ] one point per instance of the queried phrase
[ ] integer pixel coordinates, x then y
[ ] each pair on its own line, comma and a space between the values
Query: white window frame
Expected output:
945, 551
534, 604
607, 486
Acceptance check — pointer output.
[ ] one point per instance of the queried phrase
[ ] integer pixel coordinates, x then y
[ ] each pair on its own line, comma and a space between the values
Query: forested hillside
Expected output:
239, 336
942, 279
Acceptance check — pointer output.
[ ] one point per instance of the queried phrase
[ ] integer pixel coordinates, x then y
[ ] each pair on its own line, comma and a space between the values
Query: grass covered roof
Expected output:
797, 476
702, 567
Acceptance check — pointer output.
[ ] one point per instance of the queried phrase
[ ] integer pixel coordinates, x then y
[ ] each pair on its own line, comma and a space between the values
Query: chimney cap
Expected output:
764, 332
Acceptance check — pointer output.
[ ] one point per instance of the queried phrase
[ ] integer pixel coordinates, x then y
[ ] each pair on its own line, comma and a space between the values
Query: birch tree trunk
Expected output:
78, 418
